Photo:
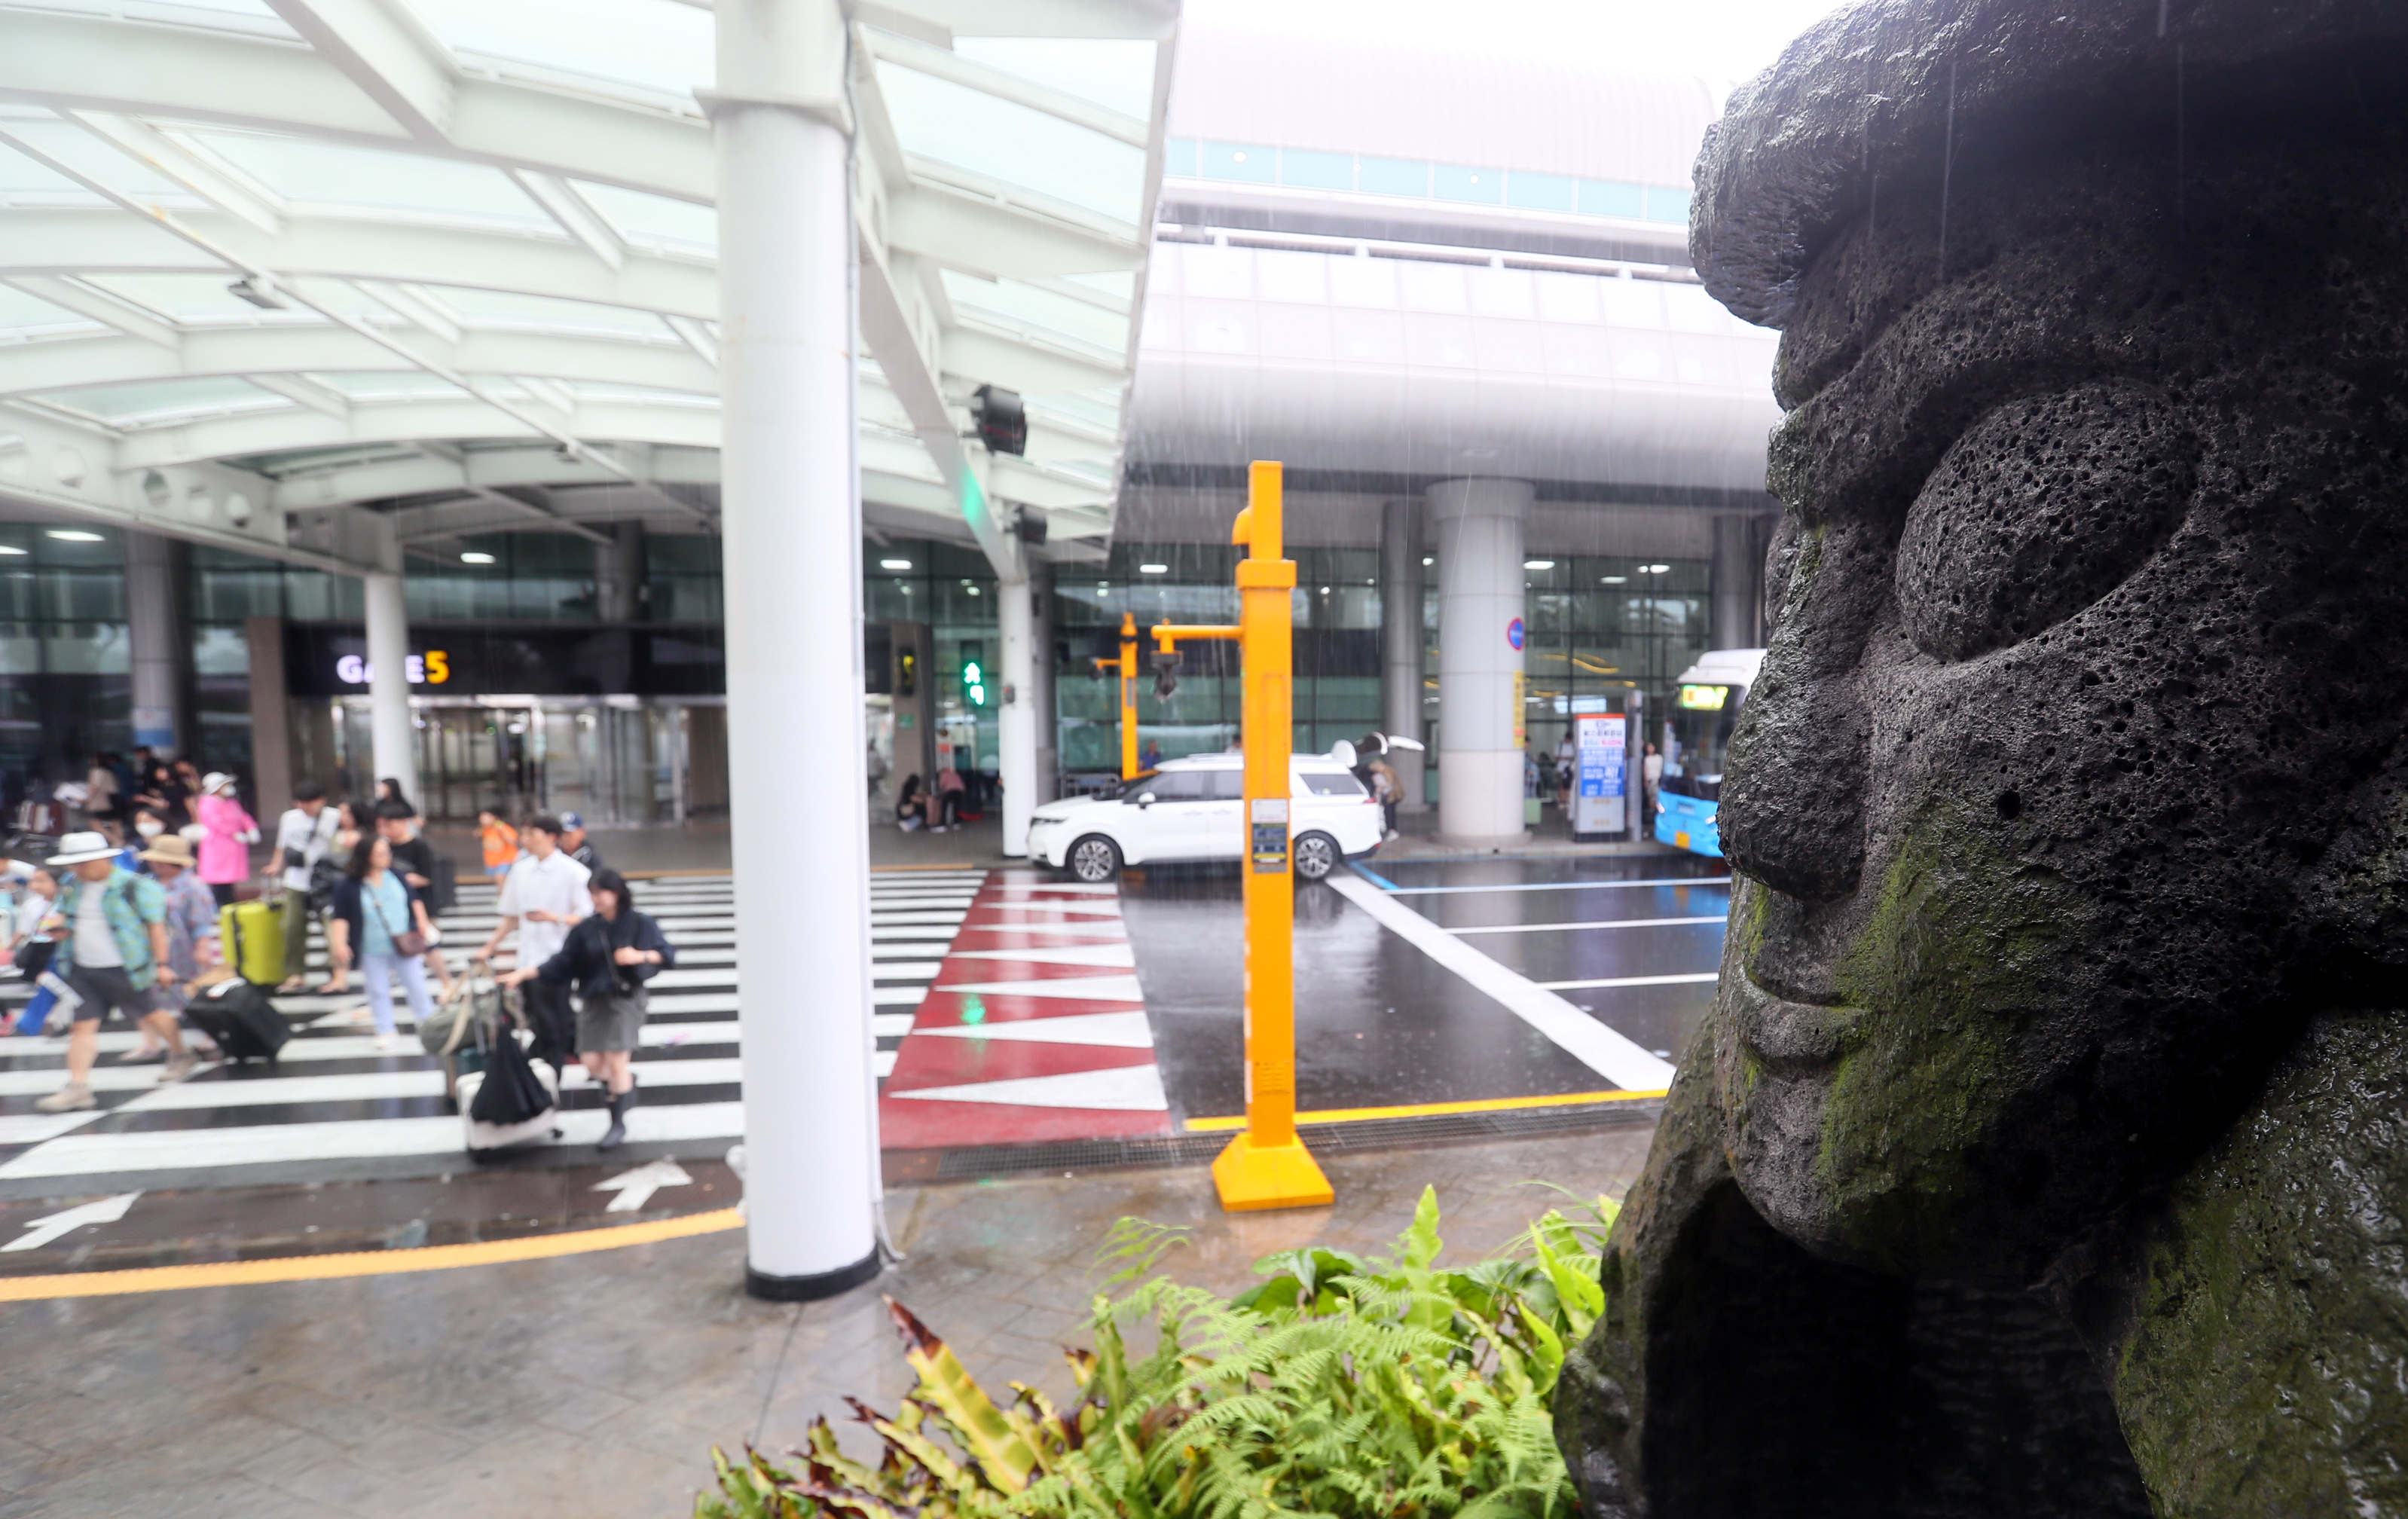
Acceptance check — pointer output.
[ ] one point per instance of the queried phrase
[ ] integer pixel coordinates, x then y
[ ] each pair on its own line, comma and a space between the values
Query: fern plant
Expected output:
1339, 1388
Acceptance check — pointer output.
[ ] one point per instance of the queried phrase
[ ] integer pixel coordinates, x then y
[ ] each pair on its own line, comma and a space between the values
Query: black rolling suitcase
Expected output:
240, 1018
443, 887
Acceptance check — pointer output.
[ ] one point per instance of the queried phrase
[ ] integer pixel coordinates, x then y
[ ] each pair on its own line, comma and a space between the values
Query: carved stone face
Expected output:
2090, 651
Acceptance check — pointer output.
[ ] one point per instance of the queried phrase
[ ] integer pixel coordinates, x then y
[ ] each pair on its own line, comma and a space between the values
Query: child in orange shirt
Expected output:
501, 842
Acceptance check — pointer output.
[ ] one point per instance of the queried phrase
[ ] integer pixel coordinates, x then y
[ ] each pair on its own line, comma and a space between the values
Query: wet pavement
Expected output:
1380, 1023
595, 1384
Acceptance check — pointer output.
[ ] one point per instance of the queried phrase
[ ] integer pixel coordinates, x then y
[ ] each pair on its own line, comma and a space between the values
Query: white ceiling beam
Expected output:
110, 242
944, 63
697, 335
412, 306
163, 155
98, 63
305, 391
385, 51
64, 363
1021, 364
562, 202
108, 309
986, 234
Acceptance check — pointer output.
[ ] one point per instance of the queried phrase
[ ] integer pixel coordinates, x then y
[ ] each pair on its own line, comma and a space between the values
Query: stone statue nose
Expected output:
1792, 812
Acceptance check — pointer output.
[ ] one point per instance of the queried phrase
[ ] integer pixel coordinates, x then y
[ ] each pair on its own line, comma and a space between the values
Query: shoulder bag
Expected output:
410, 946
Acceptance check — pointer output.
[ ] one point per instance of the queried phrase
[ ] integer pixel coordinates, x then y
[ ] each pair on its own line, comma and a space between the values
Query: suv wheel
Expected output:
1316, 855
1094, 859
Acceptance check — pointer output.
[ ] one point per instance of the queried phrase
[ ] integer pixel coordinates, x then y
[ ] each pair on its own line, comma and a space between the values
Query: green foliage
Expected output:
1339, 1388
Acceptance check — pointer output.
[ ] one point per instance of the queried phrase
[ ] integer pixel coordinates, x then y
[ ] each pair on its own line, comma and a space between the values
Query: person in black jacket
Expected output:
607, 960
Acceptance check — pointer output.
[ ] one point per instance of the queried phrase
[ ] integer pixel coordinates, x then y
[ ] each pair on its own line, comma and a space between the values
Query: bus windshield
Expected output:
1696, 738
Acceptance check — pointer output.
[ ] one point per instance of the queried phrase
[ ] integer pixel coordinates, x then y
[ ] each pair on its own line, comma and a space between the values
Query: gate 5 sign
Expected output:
433, 667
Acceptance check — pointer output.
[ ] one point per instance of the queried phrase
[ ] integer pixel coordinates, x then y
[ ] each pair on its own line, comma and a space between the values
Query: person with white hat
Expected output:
227, 833
116, 956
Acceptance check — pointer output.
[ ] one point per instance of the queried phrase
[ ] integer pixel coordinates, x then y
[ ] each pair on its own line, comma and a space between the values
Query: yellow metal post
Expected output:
1267, 1166
1126, 666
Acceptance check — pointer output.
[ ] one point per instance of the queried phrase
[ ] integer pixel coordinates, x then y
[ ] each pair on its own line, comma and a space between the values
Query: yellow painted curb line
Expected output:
1427, 1110
26, 1289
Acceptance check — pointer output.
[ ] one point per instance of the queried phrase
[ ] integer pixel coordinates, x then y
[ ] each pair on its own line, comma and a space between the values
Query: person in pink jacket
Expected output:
227, 833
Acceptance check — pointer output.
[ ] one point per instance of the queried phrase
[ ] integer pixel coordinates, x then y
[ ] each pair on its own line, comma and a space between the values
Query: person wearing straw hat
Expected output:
227, 833
192, 933
116, 958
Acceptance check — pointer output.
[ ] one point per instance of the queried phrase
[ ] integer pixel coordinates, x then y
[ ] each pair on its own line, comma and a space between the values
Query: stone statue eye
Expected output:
2047, 504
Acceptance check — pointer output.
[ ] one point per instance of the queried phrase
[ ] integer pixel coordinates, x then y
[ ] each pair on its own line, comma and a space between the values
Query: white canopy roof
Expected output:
263, 262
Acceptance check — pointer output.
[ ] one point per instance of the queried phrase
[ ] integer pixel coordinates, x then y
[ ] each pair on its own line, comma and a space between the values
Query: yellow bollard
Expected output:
1127, 666
1267, 1166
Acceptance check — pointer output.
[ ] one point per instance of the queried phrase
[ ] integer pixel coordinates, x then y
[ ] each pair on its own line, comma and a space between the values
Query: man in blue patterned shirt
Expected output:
116, 955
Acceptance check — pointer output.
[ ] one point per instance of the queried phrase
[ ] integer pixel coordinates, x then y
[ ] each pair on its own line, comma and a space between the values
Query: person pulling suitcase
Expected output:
608, 958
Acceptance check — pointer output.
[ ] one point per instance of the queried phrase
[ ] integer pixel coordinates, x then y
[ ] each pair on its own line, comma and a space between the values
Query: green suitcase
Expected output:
251, 935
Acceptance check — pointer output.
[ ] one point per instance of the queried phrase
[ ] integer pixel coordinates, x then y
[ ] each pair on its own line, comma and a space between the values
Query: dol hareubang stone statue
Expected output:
2046, 1151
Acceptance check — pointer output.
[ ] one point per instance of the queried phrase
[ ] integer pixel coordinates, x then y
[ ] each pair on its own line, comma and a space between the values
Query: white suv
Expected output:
1194, 809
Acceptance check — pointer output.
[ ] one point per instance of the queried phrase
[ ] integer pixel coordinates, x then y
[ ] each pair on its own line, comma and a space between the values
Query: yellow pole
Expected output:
1129, 695
1126, 668
1268, 1165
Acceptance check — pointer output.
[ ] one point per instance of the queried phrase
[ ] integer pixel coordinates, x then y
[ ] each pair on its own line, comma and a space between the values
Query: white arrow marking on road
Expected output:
43, 1230
634, 1188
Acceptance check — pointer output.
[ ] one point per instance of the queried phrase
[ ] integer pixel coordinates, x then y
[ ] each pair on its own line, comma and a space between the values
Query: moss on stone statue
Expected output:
2264, 1376
1916, 1094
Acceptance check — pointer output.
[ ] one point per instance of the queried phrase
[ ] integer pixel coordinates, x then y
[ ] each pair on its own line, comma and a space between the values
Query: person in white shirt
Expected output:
542, 897
304, 835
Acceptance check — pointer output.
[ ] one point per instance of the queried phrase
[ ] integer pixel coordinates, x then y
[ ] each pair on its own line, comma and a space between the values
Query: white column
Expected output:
1400, 642
1478, 525
791, 516
1016, 719
393, 732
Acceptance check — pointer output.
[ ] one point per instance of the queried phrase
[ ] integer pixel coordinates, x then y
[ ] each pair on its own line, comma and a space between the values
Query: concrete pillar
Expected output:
1400, 641
791, 516
1737, 609
1015, 720
1478, 525
619, 574
392, 733
159, 637
1042, 702
271, 716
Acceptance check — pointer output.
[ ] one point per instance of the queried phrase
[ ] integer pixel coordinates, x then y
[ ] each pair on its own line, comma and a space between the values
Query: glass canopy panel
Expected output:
1013, 144
544, 313
28, 185
337, 175
1041, 311
164, 400
23, 317
603, 391
659, 46
655, 222
249, 18
1116, 73
103, 162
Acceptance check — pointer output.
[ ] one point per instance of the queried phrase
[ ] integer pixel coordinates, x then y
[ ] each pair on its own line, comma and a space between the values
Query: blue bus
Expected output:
1696, 740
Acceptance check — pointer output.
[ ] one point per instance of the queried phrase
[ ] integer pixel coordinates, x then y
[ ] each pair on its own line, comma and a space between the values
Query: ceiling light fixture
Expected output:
10, 548
1616, 579
74, 534
895, 563
475, 556
1154, 570
1656, 569
1537, 564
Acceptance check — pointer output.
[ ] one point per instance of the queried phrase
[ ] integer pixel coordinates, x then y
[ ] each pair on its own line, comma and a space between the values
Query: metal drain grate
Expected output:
977, 1162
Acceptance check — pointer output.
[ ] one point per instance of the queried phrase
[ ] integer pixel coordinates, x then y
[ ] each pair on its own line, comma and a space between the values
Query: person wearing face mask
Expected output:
228, 830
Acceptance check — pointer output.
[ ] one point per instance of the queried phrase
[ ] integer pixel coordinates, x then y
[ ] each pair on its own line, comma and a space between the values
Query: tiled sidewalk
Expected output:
595, 1384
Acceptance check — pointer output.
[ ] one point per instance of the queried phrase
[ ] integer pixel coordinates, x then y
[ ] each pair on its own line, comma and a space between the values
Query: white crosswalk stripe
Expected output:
334, 1097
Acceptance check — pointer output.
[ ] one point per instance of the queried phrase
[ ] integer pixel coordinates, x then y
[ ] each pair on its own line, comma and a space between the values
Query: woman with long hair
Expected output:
609, 957
381, 923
